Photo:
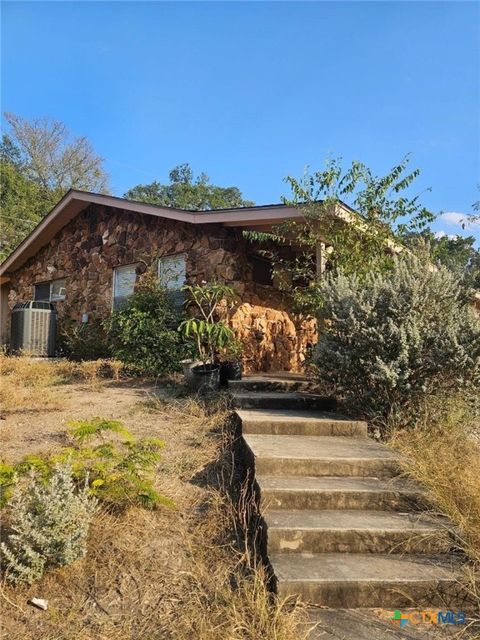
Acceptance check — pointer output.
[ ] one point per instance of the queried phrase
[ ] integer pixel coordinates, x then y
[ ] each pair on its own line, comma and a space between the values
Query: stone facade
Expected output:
88, 248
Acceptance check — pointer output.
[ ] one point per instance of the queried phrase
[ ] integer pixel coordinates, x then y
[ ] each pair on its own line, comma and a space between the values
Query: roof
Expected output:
74, 202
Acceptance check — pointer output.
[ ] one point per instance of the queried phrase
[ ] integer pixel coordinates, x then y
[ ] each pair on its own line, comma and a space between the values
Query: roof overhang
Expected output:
76, 201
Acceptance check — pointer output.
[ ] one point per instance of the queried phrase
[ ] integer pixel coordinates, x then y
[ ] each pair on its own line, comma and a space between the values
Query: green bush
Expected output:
84, 341
392, 340
118, 467
143, 333
50, 523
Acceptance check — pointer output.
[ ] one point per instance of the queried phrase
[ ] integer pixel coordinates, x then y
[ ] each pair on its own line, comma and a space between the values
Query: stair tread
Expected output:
351, 520
341, 484
280, 395
316, 447
290, 415
363, 567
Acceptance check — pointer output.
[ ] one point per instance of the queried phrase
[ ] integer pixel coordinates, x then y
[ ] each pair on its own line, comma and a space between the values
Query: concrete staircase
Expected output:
344, 530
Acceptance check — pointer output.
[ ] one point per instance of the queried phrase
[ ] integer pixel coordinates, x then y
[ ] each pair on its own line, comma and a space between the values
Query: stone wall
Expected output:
88, 248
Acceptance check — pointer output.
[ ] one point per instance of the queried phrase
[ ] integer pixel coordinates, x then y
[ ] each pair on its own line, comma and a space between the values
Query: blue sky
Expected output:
251, 92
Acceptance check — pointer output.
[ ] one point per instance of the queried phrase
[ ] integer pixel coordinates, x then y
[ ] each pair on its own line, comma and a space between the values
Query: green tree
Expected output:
185, 191
359, 216
457, 253
39, 162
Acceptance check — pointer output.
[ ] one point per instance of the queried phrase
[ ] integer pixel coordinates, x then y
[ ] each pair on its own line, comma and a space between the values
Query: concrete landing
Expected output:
376, 624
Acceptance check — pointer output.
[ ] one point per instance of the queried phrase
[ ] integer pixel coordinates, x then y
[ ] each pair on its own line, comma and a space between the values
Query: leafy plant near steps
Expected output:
119, 468
49, 522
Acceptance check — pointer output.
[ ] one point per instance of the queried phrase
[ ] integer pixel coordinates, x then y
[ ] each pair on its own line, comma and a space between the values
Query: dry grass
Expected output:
443, 454
34, 384
170, 574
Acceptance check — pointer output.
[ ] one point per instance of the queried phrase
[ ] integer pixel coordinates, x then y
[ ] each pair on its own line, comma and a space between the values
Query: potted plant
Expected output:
231, 367
208, 334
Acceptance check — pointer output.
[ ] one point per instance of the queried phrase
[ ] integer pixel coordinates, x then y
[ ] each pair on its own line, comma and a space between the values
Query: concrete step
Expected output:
320, 456
354, 531
302, 423
350, 580
259, 383
304, 492
283, 400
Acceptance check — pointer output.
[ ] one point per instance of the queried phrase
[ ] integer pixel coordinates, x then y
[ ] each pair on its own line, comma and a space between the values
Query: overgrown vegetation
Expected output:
143, 333
173, 574
117, 470
443, 453
357, 217
390, 341
49, 524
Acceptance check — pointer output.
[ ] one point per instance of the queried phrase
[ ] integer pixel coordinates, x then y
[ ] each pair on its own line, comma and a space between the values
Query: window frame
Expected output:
50, 284
181, 254
114, 278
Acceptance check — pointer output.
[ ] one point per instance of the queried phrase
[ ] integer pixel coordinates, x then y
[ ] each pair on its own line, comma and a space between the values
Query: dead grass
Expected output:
443, 454
170, 574
29, 385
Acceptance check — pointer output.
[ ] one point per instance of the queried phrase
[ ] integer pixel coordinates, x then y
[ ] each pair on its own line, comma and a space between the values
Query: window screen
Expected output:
261, 270
57, 289
42, 291
171, 271
172, 275
123, 283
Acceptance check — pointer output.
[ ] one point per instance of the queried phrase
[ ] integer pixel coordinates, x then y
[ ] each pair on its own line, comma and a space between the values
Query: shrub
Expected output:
84, 341
119, 470
391, 340
50, 523
143, 333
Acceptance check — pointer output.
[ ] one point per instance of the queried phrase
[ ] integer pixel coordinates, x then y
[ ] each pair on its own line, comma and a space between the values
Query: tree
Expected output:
360, 216
457, 253
184, 191
39, 162
51, 157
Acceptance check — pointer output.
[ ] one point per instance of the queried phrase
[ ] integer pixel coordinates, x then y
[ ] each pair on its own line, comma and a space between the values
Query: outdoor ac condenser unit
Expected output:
34, 325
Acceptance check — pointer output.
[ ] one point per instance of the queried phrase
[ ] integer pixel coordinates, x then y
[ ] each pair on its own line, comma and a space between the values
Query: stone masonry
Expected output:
88, 248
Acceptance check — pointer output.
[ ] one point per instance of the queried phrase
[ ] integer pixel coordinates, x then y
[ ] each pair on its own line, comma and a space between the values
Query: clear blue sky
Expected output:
251, 92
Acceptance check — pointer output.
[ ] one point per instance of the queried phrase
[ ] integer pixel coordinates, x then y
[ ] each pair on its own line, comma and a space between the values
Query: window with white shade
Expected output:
172, 271
124, 279
52, 291
172, 275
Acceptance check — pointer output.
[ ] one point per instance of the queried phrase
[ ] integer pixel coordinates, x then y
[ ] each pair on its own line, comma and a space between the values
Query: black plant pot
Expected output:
230, 371
205, 378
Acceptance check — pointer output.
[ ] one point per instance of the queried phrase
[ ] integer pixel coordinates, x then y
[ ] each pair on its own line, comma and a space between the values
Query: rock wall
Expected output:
87, 249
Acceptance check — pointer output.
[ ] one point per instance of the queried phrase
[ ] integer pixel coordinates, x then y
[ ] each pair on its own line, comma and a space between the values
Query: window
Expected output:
172, 271
261, 270
51, 291
123, 283
172, 274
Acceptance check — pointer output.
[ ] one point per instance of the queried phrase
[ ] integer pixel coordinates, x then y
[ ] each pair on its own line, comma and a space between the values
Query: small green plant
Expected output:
7, 482
118, 467
206, 331
50, 523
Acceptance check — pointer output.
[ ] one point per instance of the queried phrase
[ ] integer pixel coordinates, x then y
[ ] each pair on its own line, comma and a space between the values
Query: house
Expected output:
87, 253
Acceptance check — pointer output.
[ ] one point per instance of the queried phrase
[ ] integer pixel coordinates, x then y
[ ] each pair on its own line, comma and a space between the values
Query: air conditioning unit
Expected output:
34, 325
